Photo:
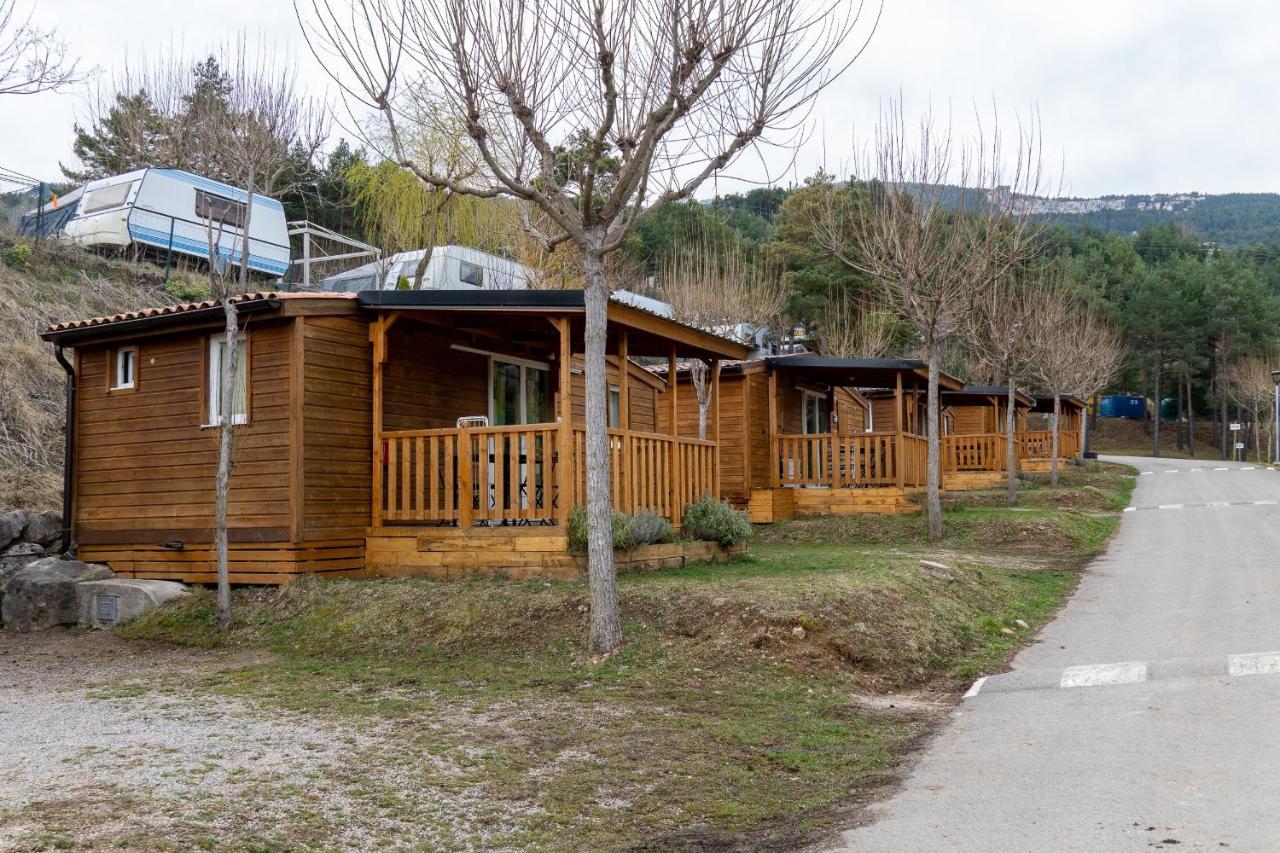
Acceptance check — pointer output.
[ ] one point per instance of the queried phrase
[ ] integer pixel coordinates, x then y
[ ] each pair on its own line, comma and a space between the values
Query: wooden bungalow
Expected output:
974, 446
1035, 443
433, 432
806, 435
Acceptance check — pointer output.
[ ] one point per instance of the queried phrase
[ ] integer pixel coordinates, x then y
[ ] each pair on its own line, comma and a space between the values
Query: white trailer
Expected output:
450, 268
179, 212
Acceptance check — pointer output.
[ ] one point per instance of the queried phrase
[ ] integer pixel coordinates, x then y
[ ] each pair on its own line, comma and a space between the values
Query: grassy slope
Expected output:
57, 282
742, 711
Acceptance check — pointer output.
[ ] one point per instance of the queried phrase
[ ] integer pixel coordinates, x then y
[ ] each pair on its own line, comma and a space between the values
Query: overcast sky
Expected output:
1134, 95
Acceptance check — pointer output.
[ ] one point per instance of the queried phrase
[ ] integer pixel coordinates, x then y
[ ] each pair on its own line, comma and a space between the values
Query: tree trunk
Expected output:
1053, 464
698, 371
1178, 424
1011, 441
1155, 440
606, 627
222, 481
1191, 421
934, 469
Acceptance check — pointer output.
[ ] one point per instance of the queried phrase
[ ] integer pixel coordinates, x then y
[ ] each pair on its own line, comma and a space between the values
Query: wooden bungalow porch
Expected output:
479, 460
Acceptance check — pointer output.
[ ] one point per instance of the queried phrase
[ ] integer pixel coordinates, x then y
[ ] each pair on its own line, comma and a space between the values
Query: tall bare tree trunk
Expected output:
934, 469
606, 627
1011, 440
1053, 463
1155, 440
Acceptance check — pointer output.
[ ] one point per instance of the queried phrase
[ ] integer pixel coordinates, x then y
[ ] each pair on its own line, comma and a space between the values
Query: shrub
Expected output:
716, 521
649, 528
188, 289
578, 530
18, 255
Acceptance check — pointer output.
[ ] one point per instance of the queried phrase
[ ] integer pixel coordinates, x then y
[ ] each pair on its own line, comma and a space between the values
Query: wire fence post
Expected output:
168, 252
40, 212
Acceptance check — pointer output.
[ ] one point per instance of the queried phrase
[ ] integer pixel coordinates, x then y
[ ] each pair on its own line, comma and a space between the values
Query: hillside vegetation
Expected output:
41, 284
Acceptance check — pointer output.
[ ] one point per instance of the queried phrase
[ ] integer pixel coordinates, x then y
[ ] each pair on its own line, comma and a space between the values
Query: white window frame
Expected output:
214, 381
120, 384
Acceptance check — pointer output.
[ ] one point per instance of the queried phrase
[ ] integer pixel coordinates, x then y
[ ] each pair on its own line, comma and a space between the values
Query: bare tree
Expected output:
594, 114
1250, 384
999, 333
936, 220
32, 60
856, 328
259, 127
712, 284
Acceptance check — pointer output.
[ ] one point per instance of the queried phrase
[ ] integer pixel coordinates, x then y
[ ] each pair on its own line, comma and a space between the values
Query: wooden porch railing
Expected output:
975, 452
512, 474
1038, 444
856, 460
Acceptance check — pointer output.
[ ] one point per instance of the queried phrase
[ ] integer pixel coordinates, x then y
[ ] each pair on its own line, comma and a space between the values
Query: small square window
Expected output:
126, 359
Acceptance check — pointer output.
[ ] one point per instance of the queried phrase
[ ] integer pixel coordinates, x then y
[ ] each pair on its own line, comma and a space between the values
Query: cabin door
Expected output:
519, 393
817, 420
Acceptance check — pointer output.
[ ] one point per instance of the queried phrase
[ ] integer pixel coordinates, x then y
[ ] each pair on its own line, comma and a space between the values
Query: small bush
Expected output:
17, 256
716, 521
578, 530
649, 528
188, 288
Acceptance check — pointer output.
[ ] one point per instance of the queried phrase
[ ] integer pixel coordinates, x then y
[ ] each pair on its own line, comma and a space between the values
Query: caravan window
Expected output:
106, 198
218, 208
471, 274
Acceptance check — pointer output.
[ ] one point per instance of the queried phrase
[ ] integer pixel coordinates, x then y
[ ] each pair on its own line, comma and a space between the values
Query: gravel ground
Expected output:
93, 756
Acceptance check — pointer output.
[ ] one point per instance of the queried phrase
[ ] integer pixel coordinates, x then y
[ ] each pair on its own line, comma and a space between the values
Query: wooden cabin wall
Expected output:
734, 442
643, 401
145, 465
428, 385
337, 430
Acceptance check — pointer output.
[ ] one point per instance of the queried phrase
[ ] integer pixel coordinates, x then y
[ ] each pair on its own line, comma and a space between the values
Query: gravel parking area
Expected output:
100, 748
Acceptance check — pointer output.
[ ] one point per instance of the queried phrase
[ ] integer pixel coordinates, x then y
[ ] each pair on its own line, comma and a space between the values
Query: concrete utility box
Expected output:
109, 602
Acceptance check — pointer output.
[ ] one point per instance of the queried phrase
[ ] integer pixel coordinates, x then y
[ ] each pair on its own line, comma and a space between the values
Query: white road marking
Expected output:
1099, 674
1170, 506
1131, 509
1262, 663
977, 686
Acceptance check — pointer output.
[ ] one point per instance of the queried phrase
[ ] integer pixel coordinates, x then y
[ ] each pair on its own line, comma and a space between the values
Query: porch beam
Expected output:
774, 476
566, 469
715, 423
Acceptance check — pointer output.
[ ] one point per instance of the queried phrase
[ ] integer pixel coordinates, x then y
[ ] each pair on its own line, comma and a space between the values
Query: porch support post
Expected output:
900, 444
566, 467
676, 495
774, 462
715, 424
378, 337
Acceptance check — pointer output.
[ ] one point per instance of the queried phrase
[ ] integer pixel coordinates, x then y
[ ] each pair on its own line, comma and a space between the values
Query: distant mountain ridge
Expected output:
1231, 219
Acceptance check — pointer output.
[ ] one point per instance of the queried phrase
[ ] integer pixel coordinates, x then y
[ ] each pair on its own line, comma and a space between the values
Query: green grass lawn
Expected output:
749, 707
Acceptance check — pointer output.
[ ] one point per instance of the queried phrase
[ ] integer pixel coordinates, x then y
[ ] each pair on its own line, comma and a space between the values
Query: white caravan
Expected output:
450, 268
173, 210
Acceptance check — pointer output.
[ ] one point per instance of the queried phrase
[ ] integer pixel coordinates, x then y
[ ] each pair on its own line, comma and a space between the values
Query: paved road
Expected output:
1148, 714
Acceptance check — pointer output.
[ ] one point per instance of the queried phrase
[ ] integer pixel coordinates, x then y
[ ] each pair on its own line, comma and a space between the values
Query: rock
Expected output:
1021, 624
43, 594
798, 632
44, 528
103, 603
11, 525
16, 557
937, 570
